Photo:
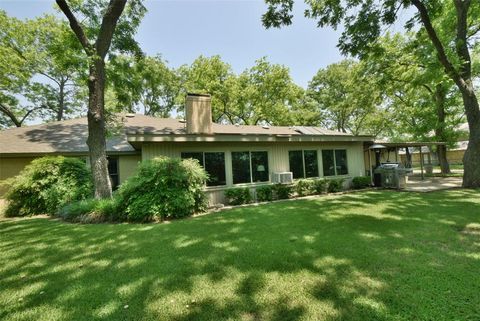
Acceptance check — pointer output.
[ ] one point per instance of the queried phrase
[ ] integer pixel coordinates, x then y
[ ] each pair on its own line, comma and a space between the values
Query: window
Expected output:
198, 156
296, 163
341, 161
259, 166
113, 171
213, 163
328, 161
334, 162
241, 167
249, 167
303, 163
311, 163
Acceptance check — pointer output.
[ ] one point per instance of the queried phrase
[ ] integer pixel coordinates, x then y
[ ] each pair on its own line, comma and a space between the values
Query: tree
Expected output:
451, 27
213, 76
38, 69
100, 23
266, 94
426, 103
348, 99
144, 84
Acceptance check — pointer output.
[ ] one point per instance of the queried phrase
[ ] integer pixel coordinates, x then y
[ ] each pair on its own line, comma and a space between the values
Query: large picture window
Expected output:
334, 162
213, 163
303, 163
249, 167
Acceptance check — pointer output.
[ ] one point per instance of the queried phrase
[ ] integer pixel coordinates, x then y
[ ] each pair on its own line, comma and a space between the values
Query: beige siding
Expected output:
10, 167
277, 156
127, 164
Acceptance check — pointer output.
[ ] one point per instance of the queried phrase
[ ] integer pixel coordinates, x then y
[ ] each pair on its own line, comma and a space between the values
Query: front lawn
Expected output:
366, 256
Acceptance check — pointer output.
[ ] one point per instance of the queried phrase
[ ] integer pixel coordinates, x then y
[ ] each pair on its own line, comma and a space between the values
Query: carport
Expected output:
382, 152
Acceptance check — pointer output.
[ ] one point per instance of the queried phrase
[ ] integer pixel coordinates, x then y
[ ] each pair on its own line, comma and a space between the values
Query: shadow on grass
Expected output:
372, 255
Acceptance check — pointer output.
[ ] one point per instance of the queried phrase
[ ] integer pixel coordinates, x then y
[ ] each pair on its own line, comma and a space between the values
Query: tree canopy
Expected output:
451, 27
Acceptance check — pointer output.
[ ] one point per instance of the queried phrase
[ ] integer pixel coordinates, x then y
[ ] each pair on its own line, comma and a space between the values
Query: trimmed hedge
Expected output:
360, 182
282, 191
305, 187
238, 195
320, 186
264, 193
335, 185
163, 188
47, 184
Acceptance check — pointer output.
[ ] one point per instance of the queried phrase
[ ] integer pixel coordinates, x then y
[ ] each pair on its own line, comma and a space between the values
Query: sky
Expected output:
181, 30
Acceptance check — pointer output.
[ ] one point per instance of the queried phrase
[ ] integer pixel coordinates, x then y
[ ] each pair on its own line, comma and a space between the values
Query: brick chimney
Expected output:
198, 114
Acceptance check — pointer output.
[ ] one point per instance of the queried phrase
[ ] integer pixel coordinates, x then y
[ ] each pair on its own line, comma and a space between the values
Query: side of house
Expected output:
232, 155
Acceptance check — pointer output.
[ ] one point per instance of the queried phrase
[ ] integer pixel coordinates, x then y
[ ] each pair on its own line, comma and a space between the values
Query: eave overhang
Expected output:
134, 138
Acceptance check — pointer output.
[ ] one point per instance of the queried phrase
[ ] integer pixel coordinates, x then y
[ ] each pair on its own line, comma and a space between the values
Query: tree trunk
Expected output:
440, 95
96, 130
61, 100
463, 80
471, 159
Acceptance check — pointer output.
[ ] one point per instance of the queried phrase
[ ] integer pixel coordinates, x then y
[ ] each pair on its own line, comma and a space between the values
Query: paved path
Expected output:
429, 184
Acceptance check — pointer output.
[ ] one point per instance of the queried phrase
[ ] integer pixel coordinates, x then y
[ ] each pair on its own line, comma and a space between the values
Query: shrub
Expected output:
163, 188
282, 191
335, 185
360, 182
264, 193
91, 211
47, 184
238, 196
320, 186
305, 187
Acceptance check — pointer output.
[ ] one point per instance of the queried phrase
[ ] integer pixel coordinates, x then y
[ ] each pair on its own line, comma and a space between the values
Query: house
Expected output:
233, 155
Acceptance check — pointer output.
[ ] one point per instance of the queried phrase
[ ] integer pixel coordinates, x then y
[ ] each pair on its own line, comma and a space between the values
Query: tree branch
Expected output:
432, 34
76, 27
428, 88
4, 109
473, 32
49, 77
461, 44
109, 22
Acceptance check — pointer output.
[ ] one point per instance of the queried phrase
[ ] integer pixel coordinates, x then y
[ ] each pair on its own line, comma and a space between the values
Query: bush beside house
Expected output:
47, 184
264, 193
238, 196
360, 182
163, 188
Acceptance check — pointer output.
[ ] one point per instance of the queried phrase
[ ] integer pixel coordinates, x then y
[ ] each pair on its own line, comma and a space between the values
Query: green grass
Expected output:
376, 255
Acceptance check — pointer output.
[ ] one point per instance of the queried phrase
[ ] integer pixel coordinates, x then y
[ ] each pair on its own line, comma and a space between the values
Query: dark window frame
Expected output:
114, 176
267, 169
334, 152
304, 168
202, 163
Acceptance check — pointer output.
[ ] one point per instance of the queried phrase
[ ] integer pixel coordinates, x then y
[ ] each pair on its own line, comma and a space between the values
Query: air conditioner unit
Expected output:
282, 177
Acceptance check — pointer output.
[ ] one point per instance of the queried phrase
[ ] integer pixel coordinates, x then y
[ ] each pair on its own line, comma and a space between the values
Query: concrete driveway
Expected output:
429, 184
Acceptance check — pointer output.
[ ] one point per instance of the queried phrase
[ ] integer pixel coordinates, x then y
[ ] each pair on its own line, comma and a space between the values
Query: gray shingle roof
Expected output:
70, 136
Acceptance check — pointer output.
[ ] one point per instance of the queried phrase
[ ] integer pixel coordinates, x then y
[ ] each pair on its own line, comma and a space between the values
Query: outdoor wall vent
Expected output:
130, 115
183, 121
266, 127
